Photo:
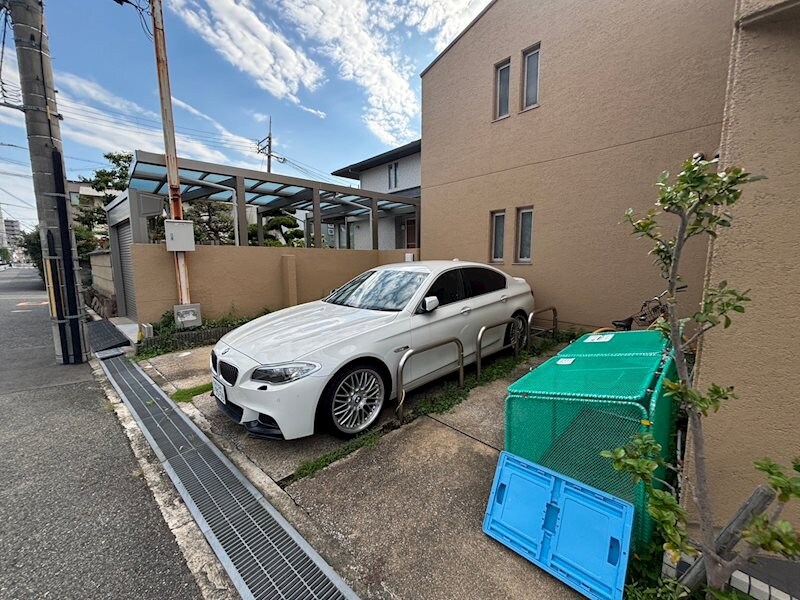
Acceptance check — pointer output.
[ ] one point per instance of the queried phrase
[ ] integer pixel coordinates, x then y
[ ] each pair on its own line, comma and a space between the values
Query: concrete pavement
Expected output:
401, 519
78, 521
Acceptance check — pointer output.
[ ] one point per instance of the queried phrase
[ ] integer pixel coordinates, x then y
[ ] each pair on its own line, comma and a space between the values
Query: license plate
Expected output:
219, 390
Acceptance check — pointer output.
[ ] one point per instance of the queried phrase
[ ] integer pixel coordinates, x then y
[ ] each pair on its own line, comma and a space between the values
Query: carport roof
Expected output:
268, 191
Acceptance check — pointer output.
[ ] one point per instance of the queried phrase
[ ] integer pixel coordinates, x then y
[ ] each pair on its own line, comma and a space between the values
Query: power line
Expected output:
10, 174
2, 189
137, 128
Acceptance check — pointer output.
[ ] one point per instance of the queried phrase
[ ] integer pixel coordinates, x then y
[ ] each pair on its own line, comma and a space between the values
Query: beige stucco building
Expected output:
623, 93
759, 354
545, 120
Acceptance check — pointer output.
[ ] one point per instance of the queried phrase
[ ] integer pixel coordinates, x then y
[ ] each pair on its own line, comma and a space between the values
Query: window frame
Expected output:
493, 236
503, 64
529, 51
517, 244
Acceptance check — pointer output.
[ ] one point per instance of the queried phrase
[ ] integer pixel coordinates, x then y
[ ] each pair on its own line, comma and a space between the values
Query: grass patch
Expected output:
310, 467
187, 394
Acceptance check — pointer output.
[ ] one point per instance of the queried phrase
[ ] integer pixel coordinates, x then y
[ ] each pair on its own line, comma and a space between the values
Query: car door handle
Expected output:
466, 310
503, 298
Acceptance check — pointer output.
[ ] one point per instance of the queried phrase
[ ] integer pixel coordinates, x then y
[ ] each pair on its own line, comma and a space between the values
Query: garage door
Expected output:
125, 238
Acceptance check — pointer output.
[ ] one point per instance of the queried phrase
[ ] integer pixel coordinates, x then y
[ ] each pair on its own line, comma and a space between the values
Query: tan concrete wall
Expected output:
102, 273
759, 353
246, 280
625, 91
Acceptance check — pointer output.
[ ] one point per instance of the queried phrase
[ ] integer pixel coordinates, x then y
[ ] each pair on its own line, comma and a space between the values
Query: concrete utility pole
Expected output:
268, 148
170, 151
49, 182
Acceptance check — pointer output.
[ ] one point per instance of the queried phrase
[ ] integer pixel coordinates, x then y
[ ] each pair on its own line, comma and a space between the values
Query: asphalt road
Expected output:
76, 520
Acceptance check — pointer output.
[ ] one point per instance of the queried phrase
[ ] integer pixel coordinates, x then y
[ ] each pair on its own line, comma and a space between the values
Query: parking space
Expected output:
406, 511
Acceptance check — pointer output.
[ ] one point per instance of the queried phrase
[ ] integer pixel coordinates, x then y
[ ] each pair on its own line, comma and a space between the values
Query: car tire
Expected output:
520, 324
352, 400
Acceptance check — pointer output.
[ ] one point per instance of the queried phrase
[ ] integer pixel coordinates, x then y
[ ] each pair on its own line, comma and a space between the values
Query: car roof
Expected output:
431, 266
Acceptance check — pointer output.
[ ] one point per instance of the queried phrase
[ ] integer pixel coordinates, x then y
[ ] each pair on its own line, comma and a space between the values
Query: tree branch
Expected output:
703, 330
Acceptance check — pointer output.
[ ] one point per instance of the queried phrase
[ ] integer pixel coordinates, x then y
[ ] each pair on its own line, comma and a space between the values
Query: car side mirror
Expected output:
429, 304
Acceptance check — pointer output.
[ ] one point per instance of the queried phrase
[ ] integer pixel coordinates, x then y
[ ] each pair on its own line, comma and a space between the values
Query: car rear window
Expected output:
479, 281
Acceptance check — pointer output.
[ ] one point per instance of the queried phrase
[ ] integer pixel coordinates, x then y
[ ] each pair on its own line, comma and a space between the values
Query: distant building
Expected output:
394, 172
13, 231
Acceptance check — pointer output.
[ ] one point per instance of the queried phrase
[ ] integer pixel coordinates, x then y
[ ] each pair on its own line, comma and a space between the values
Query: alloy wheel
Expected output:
518, 337
357, 401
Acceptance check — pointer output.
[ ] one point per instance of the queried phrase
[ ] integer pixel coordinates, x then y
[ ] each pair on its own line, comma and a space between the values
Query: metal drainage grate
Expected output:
263, 554
103, 336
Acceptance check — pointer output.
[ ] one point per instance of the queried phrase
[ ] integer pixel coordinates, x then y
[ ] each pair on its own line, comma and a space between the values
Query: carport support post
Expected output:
317, 218
241, 212
373, 223
260, 228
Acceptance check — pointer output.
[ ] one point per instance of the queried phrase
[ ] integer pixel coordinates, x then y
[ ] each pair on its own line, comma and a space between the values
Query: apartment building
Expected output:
543, 121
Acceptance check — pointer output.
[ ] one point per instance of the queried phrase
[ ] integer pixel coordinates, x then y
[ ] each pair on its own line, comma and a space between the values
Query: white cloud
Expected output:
241, 35
350, 38
318, 113
444, 18
259, 117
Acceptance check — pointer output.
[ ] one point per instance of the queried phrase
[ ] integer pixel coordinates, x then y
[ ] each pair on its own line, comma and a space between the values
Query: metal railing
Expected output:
541, 331
401, 391
479, 343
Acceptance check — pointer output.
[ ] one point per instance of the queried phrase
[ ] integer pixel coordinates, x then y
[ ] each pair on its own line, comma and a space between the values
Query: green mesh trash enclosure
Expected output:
602, 377
568, 410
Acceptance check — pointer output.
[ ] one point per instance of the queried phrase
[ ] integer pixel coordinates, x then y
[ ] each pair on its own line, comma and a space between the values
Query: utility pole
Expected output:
262, 149
170, 151
49, 181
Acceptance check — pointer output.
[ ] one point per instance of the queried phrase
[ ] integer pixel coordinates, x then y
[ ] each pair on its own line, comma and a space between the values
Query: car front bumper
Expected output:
285, 411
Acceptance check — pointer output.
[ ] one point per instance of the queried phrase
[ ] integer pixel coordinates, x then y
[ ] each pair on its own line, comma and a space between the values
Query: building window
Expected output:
498, 235
396, 165
390, 166
524, 234
530, 77
502, 82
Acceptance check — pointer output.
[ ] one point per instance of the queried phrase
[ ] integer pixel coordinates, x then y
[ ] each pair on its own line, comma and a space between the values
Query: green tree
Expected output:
700, 199
280, 229
114, 178
85, 242
5, 255
212, 221
32, 244
103, 180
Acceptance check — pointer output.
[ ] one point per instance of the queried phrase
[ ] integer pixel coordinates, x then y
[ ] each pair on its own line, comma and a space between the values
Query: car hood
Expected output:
293, 332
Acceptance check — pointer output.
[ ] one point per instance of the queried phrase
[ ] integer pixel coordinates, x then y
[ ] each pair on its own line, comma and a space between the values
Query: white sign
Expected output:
600, 337
565, 361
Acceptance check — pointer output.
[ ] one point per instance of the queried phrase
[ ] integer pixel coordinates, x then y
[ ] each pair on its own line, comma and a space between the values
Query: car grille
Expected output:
214, 361
228, 372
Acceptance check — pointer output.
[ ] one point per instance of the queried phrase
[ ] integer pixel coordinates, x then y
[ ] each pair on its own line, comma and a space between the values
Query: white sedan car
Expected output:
332, 363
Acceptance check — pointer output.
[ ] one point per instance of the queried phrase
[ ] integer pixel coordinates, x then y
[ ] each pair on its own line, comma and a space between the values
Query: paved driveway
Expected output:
77, 520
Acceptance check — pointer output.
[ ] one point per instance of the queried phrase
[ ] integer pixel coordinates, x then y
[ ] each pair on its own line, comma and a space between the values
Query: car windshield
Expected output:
388, 290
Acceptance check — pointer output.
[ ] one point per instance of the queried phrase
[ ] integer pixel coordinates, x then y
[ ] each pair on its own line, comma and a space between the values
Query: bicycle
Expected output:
648, 314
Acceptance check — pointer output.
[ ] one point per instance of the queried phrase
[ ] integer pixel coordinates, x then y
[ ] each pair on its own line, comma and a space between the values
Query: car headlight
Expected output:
284, 373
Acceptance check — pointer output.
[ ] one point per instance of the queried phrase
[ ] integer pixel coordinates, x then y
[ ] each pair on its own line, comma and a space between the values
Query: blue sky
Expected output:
339, 77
